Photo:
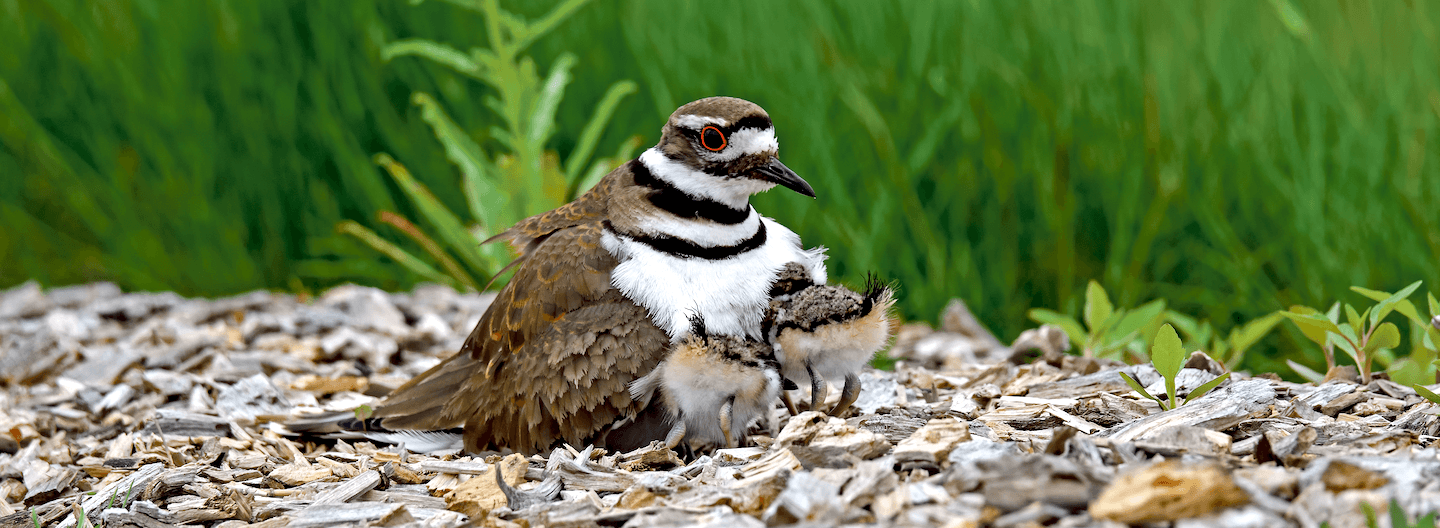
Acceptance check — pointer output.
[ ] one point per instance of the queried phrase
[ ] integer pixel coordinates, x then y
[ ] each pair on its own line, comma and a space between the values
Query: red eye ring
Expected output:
705, 139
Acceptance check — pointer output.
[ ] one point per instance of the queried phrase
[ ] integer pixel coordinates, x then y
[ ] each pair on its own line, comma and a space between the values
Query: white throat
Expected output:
733, 192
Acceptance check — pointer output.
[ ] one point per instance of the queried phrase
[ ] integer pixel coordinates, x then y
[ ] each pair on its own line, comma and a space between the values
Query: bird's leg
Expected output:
726, 419
818, 388
677, 433
789, 403
848, 395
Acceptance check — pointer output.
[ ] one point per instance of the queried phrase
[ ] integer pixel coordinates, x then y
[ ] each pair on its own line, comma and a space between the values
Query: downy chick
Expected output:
712, 387
827, 331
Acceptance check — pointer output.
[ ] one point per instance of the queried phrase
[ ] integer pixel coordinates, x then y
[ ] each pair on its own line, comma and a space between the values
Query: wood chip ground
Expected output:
152, 410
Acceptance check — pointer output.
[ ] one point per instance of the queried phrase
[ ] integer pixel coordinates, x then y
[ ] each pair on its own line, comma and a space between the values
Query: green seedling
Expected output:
1362, 335
499, 187
1168, 355
1419, 367
1108, 331
34, 518
1398, 519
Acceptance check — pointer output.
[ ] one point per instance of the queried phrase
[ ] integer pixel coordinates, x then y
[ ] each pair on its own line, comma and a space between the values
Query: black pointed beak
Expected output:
777, 172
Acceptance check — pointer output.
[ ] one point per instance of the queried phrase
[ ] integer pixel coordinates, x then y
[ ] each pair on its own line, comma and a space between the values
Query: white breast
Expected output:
730, 294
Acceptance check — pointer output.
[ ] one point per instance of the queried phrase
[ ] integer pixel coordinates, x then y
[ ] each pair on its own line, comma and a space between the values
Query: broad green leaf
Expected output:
1102, 337
1350, 333
1312, 324
1387, 335
1421, 390
1345, 344
1068, 324
1353, 317
1405, 307
1097, 306
1408, 372
1207, 387
1306, 372
1334, 313
1141, 389
1168, 354
1383, 309
1434, 304
1247, 335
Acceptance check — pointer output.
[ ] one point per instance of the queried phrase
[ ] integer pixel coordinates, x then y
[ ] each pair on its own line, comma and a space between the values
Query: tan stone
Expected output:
1167, 491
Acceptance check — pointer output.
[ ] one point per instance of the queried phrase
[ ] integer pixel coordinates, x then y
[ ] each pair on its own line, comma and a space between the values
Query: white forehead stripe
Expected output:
697, 122
753, 141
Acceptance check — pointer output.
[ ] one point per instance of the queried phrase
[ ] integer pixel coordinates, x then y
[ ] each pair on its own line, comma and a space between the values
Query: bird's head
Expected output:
724, 149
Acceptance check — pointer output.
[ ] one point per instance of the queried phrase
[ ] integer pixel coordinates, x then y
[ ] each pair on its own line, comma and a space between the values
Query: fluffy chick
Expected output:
712, 387
827, 331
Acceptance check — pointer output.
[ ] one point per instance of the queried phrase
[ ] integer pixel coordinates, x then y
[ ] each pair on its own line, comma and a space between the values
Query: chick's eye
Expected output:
712, 138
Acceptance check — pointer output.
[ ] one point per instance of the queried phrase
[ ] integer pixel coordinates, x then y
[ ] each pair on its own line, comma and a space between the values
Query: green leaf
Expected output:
1136, 319
484, 198
1311, 323
1071, 327
1405, 307
451, 231
542, 117
364, 412
1184, 323
1248, 334
1334, 313
1386, 306
1306, 372
1387, 335
1434, 304
1141, 389
1097, 306
440, 53
1353, 317
1345, 344
1425, 393
451, 267
590, 136
1168, 354
415, 265
1207, 387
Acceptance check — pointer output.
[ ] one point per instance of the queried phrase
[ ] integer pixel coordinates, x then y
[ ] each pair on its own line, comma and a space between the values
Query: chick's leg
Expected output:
789, 403
818, 388
677, 433
727, 417
848, 395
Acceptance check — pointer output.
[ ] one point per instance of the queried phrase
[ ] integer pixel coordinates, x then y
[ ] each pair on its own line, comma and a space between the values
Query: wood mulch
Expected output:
155, 410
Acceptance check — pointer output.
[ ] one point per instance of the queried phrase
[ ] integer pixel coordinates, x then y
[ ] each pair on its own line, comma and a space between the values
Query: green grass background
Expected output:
1233, 157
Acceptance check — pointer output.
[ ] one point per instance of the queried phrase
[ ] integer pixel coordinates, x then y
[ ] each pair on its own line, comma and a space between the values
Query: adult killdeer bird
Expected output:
606, 284
825, 332
712, 387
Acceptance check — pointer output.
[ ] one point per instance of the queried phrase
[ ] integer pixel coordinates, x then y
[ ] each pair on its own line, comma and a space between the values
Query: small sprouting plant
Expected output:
1168, 355
34, 518
364, 412
1419, 367
1361, 335
1108, 331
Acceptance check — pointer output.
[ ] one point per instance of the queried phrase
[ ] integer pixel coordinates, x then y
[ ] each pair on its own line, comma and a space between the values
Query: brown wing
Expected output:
523, 236
550, 360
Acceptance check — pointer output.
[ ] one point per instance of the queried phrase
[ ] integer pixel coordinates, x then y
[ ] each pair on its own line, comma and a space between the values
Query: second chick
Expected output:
712, 387
828, 331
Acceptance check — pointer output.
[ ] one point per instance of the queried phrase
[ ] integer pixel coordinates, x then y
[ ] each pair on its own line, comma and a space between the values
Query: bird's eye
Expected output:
712, 138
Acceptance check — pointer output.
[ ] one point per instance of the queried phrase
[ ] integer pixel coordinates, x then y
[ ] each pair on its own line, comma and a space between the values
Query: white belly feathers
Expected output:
731, 294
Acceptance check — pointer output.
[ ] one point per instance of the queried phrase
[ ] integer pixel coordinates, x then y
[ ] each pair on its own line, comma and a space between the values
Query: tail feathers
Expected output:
345, 426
